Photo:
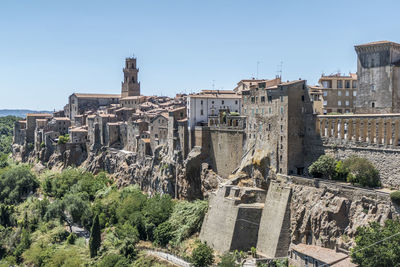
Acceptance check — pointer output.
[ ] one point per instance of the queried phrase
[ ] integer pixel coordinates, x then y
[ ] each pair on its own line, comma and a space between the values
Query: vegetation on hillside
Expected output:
377, 245
354, 170
75, 218
6, 135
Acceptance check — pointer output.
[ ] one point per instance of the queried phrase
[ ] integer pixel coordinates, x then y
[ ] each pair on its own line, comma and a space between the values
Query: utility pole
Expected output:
280, 69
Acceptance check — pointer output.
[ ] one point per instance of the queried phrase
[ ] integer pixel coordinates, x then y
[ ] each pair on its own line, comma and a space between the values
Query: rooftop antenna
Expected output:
280, 67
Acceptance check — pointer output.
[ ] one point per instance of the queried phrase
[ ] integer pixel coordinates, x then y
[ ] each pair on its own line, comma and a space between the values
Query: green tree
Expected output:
228, 260
16, 183
377, 245
361, 171
163, 234
395, 197
324, 167
114, 260
202, 255
95, 237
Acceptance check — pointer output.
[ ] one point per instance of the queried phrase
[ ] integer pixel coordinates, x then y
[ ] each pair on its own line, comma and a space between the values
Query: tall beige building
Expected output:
338, 93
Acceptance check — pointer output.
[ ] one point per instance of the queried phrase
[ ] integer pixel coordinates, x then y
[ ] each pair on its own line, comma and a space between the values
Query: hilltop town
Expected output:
248, 150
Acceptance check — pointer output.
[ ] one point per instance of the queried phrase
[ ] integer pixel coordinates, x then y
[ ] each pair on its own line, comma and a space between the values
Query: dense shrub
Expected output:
114, 260
95, 237
187, 218
16, 183
163, 234
202, 255
63, 139
228, 260
361, 171
341, 172
324, 167
395, 197
377, 245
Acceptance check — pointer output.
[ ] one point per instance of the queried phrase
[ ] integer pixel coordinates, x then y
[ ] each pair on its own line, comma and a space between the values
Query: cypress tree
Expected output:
95, 238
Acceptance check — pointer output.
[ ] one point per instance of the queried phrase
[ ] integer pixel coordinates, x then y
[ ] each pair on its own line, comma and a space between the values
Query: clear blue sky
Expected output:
51, 49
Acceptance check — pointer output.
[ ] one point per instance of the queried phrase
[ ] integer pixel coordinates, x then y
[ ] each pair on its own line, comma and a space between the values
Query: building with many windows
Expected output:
208, 103
338, 92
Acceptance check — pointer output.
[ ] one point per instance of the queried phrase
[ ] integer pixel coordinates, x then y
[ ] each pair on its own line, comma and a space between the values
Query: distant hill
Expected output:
20, 112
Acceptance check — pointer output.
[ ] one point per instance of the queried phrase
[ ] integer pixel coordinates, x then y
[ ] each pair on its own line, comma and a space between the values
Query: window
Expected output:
347, 103
262, 111
262, 99
281, 98
223, 102
281, 110
236, 102
339, 93
347, 93
201, 102
339, 103
325, 102
252, 99
201, 112
212, 102
354, 93
270, 99
302, 98
256, 110
373, 104
326, 84
354, 84
270, 110
347, 84
340, 84
325, 93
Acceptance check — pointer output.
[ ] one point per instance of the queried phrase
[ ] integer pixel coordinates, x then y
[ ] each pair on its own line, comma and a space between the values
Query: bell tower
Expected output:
130, 85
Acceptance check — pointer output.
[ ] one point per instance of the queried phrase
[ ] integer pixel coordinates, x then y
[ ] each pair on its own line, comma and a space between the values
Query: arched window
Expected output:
373, 104
133, 79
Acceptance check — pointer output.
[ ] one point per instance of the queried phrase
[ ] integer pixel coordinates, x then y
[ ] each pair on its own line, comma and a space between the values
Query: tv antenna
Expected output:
280, 68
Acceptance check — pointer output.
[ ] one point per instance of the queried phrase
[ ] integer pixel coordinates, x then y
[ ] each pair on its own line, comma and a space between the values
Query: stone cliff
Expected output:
191, 178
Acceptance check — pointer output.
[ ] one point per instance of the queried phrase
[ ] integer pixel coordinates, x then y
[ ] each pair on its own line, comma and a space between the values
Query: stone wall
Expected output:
233, 218
274, 233
226, 150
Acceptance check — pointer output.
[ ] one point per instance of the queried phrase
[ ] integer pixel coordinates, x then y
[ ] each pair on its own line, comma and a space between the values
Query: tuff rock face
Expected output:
330, 216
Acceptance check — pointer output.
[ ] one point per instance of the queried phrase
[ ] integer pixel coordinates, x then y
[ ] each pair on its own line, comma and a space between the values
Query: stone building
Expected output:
302, 255
78, 135
378, 69
245, 84
31, 119
208, 103
275, 127
80, 103
132, 101
158, 130
339, 93
130, 85
316, 97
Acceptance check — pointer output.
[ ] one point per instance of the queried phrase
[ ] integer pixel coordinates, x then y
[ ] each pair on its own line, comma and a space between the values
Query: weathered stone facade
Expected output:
378, 68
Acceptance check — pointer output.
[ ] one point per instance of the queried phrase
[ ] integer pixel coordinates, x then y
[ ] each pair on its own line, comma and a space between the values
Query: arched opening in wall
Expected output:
133, 79
373, 104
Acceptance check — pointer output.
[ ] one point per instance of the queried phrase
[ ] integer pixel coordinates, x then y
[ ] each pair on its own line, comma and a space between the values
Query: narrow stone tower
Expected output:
378, 71
130, 85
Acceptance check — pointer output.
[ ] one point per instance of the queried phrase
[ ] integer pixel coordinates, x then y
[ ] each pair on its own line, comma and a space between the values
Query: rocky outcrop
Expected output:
328, 215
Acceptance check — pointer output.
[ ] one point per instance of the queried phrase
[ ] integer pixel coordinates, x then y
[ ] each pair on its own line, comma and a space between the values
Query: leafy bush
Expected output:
163, 234
16, 183
341, 172
228, 260
361, 171
114, 260
324, 167
6, 133
369, 252
395, 197
202, 255
187, 218
63, 139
